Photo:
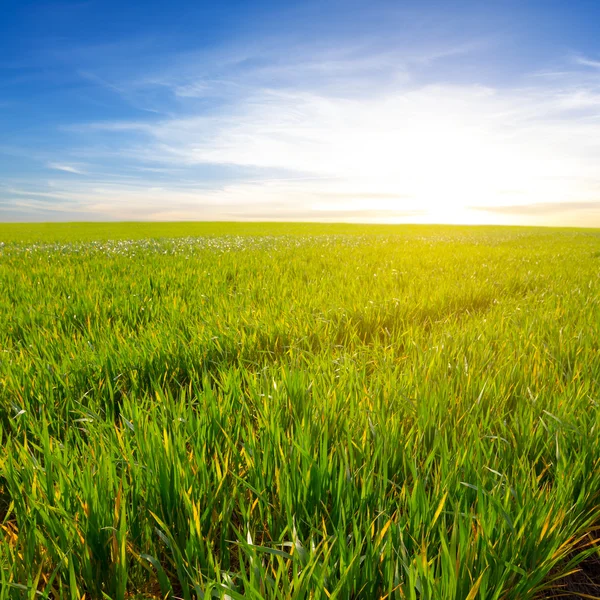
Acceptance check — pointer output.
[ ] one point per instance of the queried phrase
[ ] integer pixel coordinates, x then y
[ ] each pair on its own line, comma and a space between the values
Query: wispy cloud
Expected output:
66, 168
542, 208
587, 62
441, 146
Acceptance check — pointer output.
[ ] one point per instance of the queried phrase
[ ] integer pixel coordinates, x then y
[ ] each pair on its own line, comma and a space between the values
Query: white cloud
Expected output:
588, 62
442, 148
66, 168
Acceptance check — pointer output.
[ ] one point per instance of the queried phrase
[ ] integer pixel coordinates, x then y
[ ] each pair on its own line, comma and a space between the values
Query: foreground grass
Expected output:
335, 412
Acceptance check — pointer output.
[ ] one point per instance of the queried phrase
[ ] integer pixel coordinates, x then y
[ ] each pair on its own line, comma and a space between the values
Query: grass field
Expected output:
297, 411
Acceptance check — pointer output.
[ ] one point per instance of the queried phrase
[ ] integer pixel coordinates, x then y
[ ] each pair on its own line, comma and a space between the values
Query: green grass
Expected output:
296, 411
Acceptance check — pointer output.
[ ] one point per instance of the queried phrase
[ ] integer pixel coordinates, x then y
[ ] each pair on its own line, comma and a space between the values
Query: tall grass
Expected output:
349, 413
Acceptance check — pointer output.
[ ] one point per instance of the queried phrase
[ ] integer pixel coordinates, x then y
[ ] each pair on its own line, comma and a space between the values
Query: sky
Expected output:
454, 111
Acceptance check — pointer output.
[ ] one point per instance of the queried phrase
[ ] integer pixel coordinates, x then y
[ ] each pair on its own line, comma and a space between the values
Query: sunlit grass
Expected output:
297, 411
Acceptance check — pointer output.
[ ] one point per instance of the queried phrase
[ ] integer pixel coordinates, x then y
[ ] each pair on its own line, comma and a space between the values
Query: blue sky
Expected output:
430, 111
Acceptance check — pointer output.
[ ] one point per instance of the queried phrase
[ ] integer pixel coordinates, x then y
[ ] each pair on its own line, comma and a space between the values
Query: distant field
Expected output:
296, 411
81, 232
